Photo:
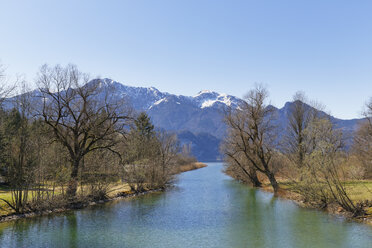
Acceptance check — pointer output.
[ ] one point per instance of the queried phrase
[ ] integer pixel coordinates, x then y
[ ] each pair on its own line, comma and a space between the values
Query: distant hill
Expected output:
198, 119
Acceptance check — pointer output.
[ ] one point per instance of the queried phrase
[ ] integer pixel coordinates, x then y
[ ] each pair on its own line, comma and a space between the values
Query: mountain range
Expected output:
198, 120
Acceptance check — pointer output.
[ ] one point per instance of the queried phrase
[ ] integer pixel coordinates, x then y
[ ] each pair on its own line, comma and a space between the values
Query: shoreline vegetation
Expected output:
69, 142
311, 162
116, 192
287, 191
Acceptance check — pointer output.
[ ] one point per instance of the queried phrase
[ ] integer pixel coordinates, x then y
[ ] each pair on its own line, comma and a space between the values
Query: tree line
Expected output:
70, 141
310, 154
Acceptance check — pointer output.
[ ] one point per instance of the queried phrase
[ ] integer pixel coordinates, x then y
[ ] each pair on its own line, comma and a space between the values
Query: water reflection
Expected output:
71, 225
205, 209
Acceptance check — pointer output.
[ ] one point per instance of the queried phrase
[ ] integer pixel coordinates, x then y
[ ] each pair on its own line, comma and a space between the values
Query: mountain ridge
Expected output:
198, 119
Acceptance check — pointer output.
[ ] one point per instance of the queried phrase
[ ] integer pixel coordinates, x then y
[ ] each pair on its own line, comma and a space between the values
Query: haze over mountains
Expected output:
198, 120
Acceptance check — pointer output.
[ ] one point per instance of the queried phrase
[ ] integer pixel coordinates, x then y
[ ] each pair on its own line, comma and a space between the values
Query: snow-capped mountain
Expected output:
206, 99
199, 114
140, 98
144, 99
198, 118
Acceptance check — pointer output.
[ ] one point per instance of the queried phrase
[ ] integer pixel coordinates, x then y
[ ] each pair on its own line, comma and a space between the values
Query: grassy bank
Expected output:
115, 191
358, 190
191, 166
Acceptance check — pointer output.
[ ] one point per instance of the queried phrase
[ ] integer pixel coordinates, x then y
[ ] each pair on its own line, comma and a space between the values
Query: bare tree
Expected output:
326, 177
363, 140
167, 155
5, 87
253, 127
80, 113
300, 115
233, 148
298, 120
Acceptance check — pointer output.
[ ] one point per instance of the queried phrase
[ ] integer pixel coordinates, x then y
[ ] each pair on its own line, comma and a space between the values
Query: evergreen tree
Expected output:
144, 126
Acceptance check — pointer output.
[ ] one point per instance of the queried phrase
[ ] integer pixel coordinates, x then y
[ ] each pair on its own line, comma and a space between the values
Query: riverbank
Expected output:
191, 166
358, 191
73, 206
116, 192
204, 209
286, 192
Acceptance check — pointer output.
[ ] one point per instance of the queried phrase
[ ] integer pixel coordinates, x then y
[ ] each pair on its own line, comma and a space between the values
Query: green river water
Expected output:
205, 209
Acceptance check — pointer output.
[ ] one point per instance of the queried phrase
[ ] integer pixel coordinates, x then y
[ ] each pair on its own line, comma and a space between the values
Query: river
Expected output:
205, 209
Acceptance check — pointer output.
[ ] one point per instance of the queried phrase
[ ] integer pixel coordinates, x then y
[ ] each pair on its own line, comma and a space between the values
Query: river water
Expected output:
205, 209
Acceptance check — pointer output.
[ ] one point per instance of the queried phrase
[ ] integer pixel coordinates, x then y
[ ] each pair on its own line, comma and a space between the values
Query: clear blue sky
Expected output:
321, 47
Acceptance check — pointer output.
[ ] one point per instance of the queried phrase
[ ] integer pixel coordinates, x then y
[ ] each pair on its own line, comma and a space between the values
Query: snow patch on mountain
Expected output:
210, 103
207, 103
160, 101
207, 99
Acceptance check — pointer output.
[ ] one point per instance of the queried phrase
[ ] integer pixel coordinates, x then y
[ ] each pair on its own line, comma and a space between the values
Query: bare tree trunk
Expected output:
253, 176
73, 183
273, 181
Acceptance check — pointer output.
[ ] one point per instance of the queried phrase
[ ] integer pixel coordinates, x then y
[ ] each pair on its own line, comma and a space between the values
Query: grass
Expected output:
359, 190
192, 166
5, 193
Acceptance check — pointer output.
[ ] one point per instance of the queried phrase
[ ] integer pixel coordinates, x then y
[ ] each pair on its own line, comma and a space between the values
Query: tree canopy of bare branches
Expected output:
252, 135
80, 114
5, 88
233, 149
300, 115
363, 139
